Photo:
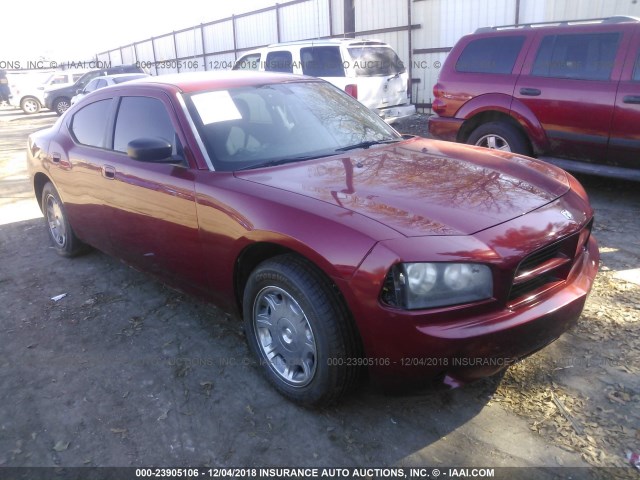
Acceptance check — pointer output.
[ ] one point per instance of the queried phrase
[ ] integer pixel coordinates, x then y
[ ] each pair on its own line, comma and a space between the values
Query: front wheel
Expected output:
60, 232
500, 136
61, 105
299, 331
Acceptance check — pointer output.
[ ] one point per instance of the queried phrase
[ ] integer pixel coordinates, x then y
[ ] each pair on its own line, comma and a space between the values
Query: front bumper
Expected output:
393, 114
456, 345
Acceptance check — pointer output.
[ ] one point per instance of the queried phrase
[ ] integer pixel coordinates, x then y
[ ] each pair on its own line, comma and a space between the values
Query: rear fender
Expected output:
494, 105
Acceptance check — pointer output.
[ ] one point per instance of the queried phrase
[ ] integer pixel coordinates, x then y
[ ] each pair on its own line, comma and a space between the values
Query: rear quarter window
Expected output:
490, 55
372, 61
587, 56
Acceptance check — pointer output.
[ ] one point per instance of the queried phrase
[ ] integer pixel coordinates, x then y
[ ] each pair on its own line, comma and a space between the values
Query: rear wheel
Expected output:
60, 232
500, 136
300, 331
61, 105
30, 105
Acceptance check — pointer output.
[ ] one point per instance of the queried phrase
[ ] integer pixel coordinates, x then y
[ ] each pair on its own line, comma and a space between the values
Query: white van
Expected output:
369, 70
27, 91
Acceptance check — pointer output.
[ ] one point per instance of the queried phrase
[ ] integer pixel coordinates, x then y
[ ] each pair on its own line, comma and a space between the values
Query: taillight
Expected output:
437, 90
352, 90
438, 105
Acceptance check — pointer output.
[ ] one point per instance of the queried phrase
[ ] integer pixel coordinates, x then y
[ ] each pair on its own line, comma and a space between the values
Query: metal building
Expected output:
421, 31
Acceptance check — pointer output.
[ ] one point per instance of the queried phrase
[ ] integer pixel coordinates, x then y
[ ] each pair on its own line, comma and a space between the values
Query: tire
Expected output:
500, 136
61, 105
60, 232
30, 105
300, 331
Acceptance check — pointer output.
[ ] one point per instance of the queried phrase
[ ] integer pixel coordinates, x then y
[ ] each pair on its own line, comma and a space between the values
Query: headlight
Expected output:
429, 285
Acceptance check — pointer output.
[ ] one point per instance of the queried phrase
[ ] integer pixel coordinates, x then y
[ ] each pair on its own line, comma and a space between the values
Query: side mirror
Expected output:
150, 150
79, 91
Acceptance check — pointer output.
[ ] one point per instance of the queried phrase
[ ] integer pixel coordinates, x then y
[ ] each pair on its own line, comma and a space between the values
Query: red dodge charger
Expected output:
344, 245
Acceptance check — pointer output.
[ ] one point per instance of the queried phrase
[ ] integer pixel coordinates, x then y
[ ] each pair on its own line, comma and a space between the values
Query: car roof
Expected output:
332, 41
122, 75
189, 82
323, 42
573, 24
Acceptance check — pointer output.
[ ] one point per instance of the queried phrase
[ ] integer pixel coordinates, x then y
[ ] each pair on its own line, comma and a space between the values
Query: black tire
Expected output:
500, 136
61, 105
60, 232
30, 105
307, 357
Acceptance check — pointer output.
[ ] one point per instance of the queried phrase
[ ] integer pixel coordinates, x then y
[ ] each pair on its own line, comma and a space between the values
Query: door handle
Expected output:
631, 99
530, 92
109, 172
55, 157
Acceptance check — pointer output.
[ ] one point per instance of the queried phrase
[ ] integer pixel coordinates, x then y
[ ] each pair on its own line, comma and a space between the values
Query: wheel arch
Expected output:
30, 97
257, 252
500, 107
39, 181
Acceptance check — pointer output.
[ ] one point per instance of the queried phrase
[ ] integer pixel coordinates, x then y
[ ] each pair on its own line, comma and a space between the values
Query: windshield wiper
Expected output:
282, 161
367, 144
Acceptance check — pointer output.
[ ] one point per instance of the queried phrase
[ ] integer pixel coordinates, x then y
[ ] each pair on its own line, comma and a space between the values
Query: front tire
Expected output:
500, 136
300, 331
61, 105
60, 232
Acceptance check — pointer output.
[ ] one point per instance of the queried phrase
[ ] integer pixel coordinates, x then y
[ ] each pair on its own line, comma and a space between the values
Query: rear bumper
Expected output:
444, 128
393, 114
418, 348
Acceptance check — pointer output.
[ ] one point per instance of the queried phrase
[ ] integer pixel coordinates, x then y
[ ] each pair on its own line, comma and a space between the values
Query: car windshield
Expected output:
251, 127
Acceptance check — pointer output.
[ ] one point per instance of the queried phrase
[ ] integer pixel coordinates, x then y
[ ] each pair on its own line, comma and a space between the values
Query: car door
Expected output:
569, 82
77, 155
624, 141
153, 223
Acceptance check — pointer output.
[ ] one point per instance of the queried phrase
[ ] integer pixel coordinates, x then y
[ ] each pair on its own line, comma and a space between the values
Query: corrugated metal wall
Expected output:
436, 25
443, 22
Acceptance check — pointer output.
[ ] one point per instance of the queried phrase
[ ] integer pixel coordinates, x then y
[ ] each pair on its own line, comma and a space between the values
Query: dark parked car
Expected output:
342, 244
565, 93
58, 99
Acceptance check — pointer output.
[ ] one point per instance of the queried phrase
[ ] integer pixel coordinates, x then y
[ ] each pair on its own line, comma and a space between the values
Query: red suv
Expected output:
568, 93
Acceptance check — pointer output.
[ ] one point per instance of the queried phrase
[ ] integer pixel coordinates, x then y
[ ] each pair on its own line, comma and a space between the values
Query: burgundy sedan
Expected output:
344, 245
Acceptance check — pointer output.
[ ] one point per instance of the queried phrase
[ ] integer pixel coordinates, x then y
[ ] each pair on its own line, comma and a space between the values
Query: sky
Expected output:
72, 30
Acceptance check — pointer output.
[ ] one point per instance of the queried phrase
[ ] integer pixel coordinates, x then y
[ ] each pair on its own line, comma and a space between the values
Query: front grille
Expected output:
547, 267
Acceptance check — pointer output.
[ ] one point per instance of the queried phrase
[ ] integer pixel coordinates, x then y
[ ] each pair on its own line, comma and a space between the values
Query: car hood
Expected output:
423, 187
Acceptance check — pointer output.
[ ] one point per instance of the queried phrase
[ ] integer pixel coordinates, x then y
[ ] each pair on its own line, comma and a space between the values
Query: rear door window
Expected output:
490, 55
88, 125
322, 62
587, 56
279, 62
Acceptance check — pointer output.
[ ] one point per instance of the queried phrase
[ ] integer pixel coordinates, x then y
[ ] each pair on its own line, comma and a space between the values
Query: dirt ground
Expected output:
125, 372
